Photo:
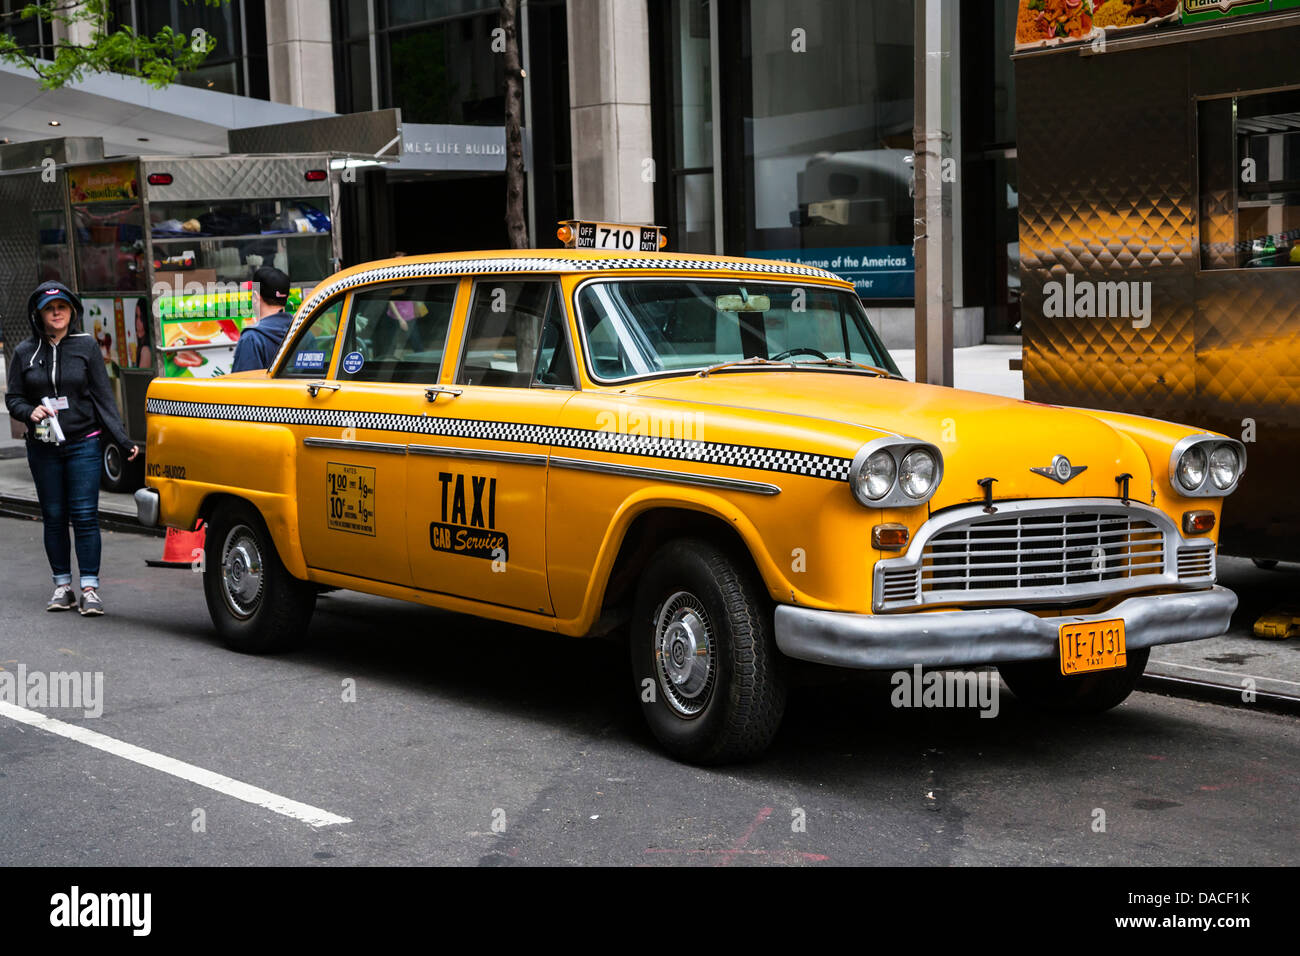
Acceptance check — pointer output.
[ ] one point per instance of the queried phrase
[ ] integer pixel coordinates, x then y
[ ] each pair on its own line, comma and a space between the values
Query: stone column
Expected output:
300, 57
609, 87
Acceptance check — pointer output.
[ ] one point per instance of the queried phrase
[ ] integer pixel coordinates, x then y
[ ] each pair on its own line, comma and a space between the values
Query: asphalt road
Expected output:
471, 743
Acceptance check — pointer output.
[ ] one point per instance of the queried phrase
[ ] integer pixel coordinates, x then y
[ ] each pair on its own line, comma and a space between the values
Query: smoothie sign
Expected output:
112, 182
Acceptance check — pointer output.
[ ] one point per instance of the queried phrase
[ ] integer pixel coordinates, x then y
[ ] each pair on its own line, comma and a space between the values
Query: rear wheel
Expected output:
710, 680
116, 472
256, 605
1041, 684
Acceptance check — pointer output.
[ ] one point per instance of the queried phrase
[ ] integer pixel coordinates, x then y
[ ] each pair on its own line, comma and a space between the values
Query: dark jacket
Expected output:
259, 343
73, 369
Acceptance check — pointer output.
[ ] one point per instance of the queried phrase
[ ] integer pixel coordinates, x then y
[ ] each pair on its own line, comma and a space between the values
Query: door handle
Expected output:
433, 391
313, 388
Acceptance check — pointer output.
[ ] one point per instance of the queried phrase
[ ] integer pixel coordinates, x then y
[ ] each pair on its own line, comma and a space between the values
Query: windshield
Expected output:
660, 326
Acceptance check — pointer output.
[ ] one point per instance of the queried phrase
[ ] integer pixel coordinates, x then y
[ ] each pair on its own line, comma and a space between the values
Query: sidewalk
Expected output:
18, 494
1213, 669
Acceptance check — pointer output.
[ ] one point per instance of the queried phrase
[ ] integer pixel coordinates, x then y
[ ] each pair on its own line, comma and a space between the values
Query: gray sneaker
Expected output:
90, 603
63, 599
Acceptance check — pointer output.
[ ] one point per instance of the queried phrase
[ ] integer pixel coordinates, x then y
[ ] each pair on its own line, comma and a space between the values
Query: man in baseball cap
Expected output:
259, 342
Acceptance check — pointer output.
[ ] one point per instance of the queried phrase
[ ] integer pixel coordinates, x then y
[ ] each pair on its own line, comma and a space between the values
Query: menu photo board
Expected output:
1048, 23
201, 326
120, 326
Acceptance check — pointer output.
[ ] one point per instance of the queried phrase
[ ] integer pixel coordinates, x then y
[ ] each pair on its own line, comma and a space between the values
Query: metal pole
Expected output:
715, 114
932, 241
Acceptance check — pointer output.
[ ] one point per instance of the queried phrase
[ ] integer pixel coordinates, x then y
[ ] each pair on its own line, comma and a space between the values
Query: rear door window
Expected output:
398, 333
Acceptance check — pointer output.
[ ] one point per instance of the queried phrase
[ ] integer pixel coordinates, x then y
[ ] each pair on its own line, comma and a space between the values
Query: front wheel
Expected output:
711, 683
256, 605
1041, 684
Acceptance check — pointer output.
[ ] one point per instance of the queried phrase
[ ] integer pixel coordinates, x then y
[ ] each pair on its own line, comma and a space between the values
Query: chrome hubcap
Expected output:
241, 571
685, 653
113, 462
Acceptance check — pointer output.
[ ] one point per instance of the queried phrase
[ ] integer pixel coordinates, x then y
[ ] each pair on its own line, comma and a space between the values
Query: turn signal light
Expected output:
564, 234
890, 537
1198, 522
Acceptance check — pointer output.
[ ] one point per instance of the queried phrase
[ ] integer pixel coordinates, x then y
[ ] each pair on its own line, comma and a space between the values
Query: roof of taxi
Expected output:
552, 261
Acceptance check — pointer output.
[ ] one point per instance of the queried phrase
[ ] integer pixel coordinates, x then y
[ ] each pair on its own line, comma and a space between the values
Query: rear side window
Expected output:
398, 333
309, 357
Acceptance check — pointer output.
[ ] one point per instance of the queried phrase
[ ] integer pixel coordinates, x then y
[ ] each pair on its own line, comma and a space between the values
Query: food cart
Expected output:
1159, 170
161, 250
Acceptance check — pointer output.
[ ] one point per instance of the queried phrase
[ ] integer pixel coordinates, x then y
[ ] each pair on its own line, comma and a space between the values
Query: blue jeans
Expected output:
67, 484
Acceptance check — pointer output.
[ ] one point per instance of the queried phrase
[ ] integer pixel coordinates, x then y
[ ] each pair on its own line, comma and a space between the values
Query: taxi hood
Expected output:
979, 435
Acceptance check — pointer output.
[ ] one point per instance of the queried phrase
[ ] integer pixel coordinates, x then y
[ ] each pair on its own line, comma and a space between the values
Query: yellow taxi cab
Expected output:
713, 458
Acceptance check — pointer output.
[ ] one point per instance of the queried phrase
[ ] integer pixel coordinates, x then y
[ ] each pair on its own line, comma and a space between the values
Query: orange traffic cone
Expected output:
182, 549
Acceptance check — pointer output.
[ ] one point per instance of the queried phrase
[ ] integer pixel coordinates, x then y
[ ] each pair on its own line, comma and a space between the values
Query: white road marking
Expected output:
1215, 670
177, 768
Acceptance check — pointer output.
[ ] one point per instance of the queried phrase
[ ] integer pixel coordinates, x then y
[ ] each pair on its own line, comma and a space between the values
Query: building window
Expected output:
1250, 181
32, 34
551, 181
684, 64
828, 125
431, 58
354, 60
990, 246
236, 65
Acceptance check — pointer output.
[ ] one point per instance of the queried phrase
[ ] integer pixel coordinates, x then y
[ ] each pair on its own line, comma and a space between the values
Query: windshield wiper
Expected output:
849, 363
753, 360
835, 362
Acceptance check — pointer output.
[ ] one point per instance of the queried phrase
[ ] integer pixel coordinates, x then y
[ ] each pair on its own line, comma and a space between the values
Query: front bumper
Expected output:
988, 635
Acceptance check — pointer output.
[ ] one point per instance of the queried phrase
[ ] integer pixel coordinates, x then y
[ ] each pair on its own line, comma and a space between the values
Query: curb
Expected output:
1225, 694
12, 507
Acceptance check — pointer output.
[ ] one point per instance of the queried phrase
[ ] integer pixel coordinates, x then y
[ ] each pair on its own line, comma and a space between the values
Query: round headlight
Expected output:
1191, 468
1225, 466
916, 476
877, 475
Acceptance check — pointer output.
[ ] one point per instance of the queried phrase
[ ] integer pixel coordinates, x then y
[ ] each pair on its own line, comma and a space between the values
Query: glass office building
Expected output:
784, 129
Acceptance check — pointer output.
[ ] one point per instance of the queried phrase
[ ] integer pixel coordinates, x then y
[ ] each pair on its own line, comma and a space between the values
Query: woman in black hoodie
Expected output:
58, 387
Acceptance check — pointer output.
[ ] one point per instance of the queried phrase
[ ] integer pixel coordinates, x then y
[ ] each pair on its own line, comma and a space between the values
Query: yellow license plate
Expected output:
1092, 646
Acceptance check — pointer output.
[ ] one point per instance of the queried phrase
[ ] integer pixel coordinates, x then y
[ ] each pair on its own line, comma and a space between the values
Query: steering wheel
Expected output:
788, 352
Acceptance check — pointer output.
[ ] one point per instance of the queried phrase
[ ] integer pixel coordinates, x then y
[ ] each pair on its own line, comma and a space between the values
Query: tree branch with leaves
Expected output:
108, 47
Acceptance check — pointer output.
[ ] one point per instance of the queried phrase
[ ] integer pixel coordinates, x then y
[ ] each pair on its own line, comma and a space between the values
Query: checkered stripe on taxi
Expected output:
647, 446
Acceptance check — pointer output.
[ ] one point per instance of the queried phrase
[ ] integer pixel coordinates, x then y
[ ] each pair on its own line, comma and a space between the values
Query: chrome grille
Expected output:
1043, 550
1195, 563
901, 586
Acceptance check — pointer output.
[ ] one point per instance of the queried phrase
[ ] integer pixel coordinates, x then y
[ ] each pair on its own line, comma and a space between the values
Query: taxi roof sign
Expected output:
614, 236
